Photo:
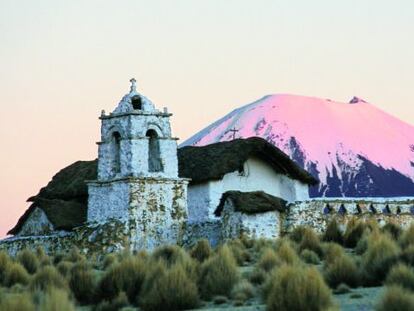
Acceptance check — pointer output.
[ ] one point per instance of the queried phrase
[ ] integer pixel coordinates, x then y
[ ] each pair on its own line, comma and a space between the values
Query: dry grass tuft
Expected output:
16, 274
219, 274
343, 270
28, 260
401, 275
56, 300
201, 251
243, 291
407, 238
333, 233
17, 302
310, 257
46, 278
354, 232
269, 260
82, 283
286, 253
310, 240
396, 299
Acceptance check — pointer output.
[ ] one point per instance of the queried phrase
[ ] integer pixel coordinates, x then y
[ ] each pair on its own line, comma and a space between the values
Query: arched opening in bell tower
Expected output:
116, 142
154, 154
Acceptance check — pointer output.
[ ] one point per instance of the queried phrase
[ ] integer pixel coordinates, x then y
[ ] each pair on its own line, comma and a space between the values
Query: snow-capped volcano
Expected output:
354, 149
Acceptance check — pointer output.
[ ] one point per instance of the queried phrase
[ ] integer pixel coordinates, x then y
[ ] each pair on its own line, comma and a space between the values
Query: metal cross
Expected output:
234, 131
133, 85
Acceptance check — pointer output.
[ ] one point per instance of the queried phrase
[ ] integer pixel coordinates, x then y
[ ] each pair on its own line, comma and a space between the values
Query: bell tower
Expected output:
138, 181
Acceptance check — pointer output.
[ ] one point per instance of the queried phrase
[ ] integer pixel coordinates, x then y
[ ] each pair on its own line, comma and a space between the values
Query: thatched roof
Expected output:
213, 161
251, 202
64, 199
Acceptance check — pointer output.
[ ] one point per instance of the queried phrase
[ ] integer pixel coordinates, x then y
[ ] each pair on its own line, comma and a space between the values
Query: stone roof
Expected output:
65, 198
213, 161
251, 202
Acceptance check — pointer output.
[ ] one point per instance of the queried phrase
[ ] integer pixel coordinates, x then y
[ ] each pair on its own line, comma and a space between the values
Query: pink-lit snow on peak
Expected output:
324, 128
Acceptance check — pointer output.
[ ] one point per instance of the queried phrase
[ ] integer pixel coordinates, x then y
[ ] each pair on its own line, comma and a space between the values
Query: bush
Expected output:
342, 289
219, 274
109, 260
243, 291
401, 275
46, 278
268, 260
297, 234
173, 255
258, 276
396, 299
343, 270
407, 255
353, 233
28, 260
4, 264
19, 302
380, 256
82, 283
169, 289
16, 274
333, 233
239, 251
128, 276
332, 251
310, 257
201, 250
56, 300
64, 268
74, 255
297, 289
118, 303
310, 240
394, 230
286, 253
407, 238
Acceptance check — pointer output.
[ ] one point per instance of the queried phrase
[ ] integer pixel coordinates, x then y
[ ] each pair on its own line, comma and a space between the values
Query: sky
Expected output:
62, 62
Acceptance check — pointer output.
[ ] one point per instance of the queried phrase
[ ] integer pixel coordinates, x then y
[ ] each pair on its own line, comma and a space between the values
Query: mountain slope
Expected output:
354, 149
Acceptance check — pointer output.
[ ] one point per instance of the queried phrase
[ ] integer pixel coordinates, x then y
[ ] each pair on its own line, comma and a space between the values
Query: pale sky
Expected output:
62, 62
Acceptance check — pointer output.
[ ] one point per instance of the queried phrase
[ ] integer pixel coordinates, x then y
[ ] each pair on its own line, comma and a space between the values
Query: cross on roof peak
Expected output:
133, 85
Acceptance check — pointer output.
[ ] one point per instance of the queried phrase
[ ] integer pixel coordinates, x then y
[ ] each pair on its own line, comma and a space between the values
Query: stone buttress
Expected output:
138, 181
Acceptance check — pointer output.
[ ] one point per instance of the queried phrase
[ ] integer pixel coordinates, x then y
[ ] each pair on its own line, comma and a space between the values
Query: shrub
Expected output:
396, 299
4, 264
118, 303
286, 253
127, 275
56, 300
74, 255
333, 233
297, 234
353, 233
28, 260
297, 289
407, 238
173, 255
219, 274
64, 268
243, 291
381, 254
201, 250
407, 255
82, 283
268, 260
394, 230
239, 251
257, 276
343, 270
168, 289
109, 260
19, 302
401, 275
332, 251
16, 274
310, 240
342, 289
310, 257
362, 244
46, 278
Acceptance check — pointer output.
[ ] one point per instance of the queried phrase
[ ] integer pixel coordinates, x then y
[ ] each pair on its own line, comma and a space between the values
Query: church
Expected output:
143, 191
142, 179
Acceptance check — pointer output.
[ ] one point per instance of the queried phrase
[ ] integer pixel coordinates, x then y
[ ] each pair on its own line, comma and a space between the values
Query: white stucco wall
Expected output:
258, 176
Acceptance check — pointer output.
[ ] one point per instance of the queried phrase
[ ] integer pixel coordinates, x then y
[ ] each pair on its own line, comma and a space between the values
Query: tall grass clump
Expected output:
396, 299
168, 289
333, 233
332, 251
16, 274
381, 255
401, 275
297, 234
28, 260
46, 278
243, 291
173, 255
269, 260
392, 229
128, 276
219, 274
407, 237
310, 240
4, 264
17, 302
354, 230
118, 303
56, 300
201, 250
343, 270
82, 283
309, 257
286, 253
239, 251
297, 289
407, 255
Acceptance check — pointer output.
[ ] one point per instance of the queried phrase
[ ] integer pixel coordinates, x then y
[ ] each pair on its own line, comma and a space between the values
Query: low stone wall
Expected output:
318, 212
92, 239
210, 230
